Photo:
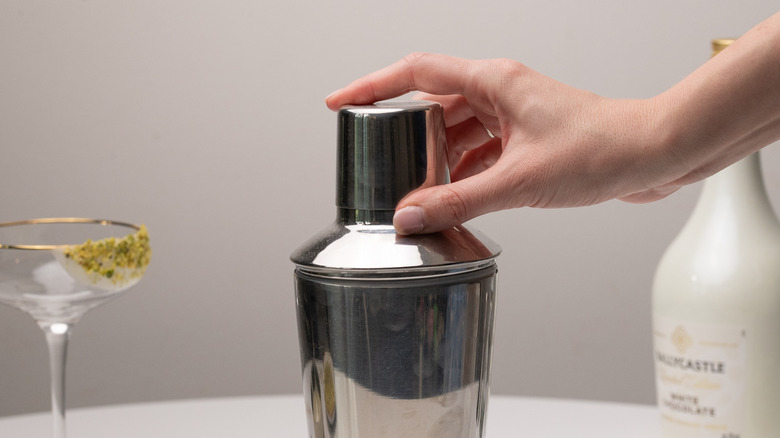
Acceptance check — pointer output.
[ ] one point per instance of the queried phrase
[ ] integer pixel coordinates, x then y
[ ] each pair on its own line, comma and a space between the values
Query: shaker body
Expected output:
406, 357
395, 332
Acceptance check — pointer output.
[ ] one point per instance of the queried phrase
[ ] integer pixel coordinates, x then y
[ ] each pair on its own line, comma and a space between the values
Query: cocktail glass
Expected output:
56, 269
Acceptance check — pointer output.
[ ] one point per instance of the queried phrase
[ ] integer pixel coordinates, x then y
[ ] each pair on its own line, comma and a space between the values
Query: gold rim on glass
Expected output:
59, 220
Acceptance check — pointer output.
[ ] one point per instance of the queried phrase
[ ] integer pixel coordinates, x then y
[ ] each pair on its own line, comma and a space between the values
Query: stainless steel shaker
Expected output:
395, 331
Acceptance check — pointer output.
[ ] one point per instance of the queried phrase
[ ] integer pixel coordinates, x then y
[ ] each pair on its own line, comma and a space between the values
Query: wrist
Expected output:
642, 147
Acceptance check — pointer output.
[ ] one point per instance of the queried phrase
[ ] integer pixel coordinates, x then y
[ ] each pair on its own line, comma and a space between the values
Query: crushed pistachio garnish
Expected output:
119, 260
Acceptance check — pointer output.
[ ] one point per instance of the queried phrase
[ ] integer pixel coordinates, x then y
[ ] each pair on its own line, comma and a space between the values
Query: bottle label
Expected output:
700, 378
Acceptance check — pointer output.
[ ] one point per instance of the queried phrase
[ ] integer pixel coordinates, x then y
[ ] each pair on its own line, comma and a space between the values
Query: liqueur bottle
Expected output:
716, 312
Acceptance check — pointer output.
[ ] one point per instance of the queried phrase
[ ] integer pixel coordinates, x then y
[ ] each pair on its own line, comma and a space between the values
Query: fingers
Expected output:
435, 74
441, 207
463, 137
477, 160
456, 107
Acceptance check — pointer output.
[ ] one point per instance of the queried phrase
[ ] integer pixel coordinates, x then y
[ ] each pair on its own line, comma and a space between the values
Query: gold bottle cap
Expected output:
721, 43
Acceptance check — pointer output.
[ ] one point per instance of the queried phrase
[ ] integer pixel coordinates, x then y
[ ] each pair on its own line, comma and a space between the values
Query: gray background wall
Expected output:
204, 119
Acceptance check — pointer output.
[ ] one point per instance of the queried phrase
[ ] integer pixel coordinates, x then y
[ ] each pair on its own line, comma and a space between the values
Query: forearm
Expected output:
726, 109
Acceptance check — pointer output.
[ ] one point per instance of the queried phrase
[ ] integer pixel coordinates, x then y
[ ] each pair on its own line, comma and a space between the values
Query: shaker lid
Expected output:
378, 247
386, 151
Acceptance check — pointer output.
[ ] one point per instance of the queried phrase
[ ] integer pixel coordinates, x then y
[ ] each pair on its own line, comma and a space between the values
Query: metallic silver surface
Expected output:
387, 150
359, 249
395, 331
407, 358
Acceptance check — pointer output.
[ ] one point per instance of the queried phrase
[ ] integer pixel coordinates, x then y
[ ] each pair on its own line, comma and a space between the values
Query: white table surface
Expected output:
283, 416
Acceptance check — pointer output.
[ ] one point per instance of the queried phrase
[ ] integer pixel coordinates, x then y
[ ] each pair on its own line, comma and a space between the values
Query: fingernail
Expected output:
331, 95
409, 220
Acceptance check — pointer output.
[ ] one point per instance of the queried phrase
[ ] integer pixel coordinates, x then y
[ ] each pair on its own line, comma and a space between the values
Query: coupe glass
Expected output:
57, 269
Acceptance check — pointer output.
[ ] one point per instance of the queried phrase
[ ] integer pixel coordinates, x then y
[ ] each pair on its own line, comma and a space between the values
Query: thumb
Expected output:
441, 207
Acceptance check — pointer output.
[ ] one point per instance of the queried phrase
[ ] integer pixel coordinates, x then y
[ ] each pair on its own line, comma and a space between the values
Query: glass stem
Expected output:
57, 335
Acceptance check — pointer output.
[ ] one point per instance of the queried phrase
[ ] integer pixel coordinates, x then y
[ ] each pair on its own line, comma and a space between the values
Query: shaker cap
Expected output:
387, 150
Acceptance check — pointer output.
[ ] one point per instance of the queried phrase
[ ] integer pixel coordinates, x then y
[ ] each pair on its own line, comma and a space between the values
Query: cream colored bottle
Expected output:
716, 313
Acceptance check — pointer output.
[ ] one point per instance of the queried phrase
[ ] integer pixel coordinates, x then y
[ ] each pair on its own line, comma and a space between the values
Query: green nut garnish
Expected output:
118, 260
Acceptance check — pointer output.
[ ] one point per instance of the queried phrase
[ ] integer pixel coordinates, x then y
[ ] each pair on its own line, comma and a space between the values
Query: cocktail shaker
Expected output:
395, 331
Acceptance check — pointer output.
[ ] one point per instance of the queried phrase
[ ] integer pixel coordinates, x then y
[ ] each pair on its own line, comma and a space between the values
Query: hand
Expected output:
517, 138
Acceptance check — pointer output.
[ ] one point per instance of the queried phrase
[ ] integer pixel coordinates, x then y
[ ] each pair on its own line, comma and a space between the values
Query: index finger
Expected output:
431, 73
